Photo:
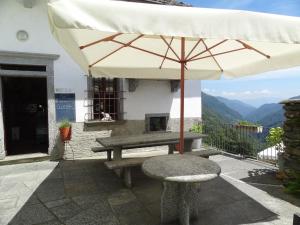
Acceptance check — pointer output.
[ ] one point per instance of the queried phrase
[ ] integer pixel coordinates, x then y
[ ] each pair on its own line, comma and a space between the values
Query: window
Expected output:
105, 99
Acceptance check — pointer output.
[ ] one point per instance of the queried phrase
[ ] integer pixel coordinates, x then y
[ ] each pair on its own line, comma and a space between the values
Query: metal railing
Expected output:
105, 103
245, 141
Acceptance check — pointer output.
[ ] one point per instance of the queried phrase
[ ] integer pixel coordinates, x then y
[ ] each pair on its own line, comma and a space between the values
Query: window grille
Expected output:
104, 100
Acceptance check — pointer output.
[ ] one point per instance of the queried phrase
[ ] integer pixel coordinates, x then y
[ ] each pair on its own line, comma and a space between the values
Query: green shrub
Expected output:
196, 128
274, 137
247, 123
64, 124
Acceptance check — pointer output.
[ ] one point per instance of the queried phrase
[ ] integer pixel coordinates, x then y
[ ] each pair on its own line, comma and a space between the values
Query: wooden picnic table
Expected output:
118, 143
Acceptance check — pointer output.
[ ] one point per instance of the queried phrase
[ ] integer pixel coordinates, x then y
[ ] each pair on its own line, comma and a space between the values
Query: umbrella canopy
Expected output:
104, 37
144, 41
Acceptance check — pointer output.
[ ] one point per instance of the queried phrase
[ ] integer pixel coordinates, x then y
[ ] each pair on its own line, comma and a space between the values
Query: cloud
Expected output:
207, 90
266, 91
232, 4
231, 93
246, 94
273, 75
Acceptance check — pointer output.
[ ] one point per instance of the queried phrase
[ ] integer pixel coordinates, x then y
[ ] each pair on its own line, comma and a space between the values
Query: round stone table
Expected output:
181, 176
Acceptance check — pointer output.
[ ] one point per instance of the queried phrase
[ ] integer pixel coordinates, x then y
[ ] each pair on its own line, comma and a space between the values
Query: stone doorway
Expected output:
25, 114
30, 66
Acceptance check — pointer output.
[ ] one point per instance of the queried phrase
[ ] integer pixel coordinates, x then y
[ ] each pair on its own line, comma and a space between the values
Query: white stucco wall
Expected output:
153, 96
14, 17
150, 96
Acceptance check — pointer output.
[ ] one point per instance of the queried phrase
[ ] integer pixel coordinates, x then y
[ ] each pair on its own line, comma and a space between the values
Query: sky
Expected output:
262, 88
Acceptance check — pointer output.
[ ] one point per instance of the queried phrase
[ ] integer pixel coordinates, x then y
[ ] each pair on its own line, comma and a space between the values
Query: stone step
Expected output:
83, 134
25, 158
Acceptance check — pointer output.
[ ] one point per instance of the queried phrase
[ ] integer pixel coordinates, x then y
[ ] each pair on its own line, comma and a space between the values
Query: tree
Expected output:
274, 137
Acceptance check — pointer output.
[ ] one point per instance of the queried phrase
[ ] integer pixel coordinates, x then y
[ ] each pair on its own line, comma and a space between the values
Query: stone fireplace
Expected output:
156, 122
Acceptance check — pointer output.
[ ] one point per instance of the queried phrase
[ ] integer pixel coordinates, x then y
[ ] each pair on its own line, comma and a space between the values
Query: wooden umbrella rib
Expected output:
210, 48
118, 49
252, 48
218, 64
162, 37
109, 38
162, 62
169, 45
144, 50
221, 53
192, 50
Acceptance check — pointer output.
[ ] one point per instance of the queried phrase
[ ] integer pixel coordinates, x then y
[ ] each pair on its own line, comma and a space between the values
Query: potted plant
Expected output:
65, 130
197, 128
274, 138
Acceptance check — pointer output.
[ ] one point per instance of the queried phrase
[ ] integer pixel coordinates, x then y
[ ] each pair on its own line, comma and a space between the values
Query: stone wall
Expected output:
84, 136
291, 138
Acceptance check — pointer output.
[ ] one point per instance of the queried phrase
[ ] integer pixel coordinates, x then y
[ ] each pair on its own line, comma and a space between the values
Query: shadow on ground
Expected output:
265, 179
86, 193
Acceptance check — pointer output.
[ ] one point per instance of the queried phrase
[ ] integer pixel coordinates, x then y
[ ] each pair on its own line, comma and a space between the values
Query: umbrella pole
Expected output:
182, 62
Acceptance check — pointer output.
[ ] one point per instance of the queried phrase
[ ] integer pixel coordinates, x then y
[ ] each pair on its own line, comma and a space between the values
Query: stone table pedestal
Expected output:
179, 199
181, 176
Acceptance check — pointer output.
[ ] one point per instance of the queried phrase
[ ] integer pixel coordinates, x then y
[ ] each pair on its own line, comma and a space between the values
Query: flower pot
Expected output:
65, 133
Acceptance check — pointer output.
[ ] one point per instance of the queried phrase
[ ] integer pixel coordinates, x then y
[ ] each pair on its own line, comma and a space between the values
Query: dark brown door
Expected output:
25, 115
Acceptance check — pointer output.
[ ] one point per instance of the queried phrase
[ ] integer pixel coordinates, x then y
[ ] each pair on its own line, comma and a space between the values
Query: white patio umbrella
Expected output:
144, 41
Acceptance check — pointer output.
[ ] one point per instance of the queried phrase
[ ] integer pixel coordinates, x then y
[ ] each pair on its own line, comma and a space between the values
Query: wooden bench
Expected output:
103, 149
126, 164
205, 153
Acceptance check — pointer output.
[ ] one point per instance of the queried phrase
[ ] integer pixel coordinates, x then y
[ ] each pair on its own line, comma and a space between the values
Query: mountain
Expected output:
296, 97
263, 111
238, 106
273, 119
219, 109
211, 104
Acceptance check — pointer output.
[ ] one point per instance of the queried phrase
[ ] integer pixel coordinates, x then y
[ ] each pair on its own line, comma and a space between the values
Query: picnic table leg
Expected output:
127, 177
188, 145
109, 155
171, 149
117, 155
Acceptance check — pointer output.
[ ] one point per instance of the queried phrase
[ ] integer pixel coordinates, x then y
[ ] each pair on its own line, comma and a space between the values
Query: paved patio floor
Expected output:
85, 192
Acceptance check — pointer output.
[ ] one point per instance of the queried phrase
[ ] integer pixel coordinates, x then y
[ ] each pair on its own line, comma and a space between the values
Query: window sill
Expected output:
104, 123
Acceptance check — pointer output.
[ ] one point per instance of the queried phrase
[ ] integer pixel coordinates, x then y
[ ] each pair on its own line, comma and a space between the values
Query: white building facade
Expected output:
35, 72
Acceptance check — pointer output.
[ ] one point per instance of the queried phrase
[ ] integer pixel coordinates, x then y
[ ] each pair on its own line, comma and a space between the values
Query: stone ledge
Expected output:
104, 123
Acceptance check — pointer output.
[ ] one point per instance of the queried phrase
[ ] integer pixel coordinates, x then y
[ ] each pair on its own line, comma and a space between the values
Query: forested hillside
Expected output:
211, 105
231, 111
239, 106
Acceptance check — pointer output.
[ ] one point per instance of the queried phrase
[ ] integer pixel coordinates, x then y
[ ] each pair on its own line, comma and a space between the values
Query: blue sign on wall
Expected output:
65, 106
